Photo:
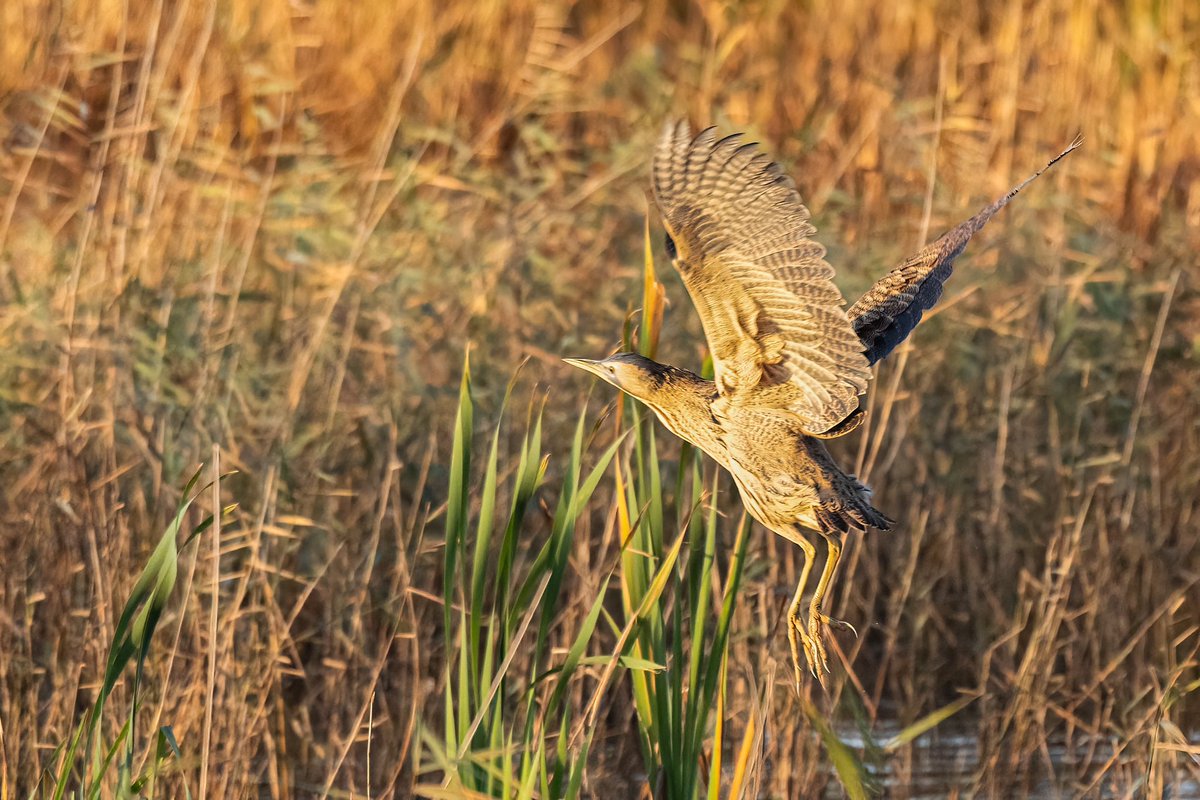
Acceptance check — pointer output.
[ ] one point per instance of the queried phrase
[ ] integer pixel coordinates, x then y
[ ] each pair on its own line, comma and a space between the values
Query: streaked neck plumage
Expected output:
683, 400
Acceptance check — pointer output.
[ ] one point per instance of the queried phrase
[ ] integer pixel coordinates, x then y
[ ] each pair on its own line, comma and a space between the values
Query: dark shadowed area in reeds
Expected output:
265, 237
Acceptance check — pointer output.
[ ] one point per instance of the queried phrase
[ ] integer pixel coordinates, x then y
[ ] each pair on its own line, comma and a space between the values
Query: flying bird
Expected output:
790, 362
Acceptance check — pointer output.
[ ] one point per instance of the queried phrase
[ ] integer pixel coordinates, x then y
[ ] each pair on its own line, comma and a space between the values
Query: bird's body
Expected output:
789, 361
783, 474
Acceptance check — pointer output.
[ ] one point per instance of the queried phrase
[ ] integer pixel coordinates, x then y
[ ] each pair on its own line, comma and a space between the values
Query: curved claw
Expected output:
840, 624
818, 660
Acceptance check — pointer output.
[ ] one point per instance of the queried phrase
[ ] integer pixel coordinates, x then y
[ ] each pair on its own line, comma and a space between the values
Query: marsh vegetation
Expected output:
268, 235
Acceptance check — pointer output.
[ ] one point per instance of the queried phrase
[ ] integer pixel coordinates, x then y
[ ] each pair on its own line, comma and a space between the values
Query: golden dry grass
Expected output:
277, 226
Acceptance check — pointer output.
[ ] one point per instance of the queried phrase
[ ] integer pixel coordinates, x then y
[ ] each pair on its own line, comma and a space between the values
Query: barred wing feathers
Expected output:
888, 312
771, 313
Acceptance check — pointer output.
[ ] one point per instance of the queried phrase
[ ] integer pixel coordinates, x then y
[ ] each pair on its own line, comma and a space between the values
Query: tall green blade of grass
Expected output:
498, 720
483, 538
131, 643
846, 764
456, 516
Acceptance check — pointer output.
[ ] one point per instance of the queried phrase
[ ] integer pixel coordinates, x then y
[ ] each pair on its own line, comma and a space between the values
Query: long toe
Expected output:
818, 662
816, 633
818, 659
814, 652
797, 633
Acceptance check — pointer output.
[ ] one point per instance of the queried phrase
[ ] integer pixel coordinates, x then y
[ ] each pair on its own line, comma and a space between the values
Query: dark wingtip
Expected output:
952, 242
987, 213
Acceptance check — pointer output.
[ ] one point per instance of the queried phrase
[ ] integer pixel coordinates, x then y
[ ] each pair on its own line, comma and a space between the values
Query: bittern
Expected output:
789, 362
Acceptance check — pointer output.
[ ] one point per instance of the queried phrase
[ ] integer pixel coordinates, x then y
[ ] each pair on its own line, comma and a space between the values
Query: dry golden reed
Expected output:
277, 227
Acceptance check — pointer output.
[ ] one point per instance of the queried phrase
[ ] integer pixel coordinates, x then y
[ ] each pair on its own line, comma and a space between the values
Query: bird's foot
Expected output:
818, 659
814, 652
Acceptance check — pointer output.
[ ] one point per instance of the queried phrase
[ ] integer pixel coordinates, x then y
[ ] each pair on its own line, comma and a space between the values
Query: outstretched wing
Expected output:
887, 313
762, 288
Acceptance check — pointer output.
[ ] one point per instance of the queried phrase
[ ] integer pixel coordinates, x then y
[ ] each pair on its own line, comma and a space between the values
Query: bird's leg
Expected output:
795, 626
817, 619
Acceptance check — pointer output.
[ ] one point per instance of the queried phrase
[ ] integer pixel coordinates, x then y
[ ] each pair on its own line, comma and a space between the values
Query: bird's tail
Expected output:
852, 509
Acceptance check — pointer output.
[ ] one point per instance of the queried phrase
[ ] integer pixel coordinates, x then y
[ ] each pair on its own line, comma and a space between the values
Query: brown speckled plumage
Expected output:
765, 294
789, 361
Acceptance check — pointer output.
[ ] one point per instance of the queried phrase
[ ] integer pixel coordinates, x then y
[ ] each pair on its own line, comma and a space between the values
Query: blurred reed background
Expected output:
278, 227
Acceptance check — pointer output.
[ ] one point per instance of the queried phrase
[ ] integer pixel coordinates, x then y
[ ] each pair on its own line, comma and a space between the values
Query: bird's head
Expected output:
631, 373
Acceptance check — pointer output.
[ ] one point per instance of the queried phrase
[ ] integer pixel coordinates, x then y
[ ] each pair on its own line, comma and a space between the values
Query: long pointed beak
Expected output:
586, 364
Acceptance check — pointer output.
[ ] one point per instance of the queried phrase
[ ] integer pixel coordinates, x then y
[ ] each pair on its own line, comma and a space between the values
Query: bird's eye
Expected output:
670, 243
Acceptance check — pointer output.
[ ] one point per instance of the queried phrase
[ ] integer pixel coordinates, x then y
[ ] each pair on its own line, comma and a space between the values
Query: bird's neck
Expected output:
684, 406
